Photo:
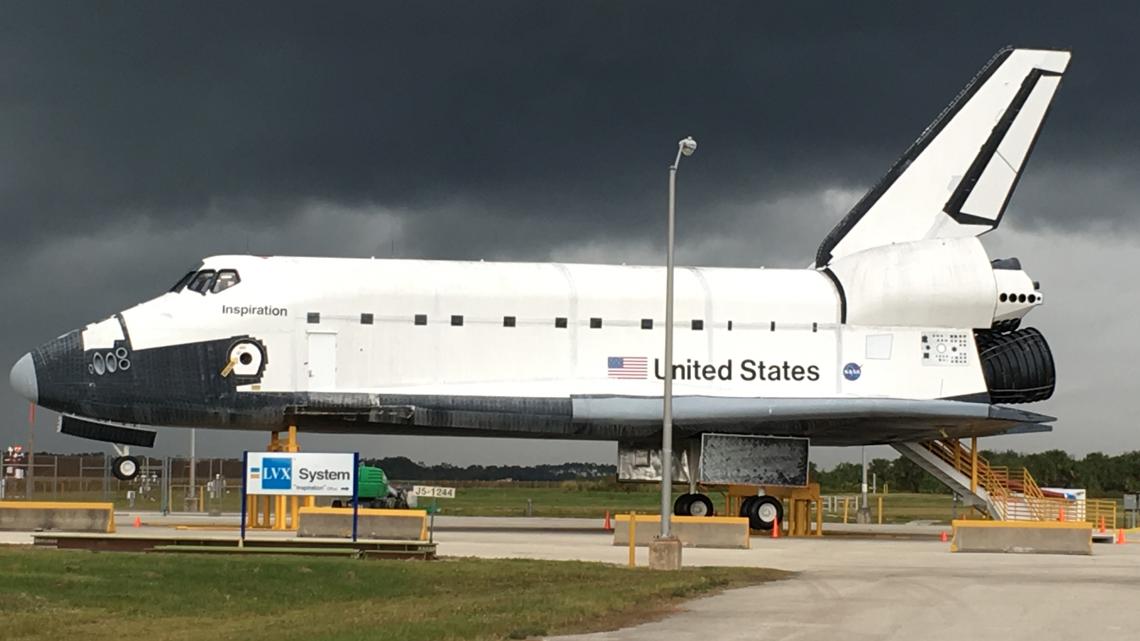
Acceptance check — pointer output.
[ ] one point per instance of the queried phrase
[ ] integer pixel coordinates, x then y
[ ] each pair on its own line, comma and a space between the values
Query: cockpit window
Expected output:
227, 278
202, 281
182, 282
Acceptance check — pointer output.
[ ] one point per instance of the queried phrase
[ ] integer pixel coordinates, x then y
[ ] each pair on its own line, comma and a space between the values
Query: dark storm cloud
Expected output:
137, 137
528, 108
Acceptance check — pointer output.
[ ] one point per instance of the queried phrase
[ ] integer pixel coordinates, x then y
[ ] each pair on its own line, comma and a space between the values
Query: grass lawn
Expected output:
588, 500
50, 595
593, 503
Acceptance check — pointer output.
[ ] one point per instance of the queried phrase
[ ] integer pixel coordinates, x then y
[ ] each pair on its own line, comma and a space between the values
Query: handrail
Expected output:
1016, 495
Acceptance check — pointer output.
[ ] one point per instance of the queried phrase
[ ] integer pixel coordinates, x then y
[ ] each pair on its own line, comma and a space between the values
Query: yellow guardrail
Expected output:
1048, 508
1015, 493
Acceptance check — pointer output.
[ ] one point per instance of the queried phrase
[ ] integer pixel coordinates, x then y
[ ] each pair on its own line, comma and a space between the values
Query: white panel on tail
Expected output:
956, 179
987, 198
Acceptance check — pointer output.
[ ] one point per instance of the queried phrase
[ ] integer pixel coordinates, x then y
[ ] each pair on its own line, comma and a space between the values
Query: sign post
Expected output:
436, 493
355, 492
244, 483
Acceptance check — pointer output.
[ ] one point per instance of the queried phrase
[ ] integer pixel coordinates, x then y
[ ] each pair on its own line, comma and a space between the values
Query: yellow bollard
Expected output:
633, 539
880, 509
846, 500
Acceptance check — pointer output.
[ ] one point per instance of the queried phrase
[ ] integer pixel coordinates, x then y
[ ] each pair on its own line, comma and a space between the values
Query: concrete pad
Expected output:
693, 531
392, 525
27, 516
1022, 537
665, 553
865, 589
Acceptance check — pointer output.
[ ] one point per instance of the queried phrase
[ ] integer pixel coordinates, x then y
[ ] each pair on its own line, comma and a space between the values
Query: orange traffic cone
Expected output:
776, 528
138, 521
942, 536
1120, 536
1061, 515
1102, 525
606, 525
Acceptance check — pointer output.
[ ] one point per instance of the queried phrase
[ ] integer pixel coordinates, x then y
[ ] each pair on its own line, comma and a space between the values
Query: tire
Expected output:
125, 468
701, 505
681, 505
337, 503
762, 512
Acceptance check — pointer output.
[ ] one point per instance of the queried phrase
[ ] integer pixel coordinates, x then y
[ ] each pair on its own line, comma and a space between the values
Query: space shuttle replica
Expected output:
902, 330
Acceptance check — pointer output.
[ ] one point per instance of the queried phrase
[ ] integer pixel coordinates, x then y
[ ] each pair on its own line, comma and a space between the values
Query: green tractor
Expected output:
374, 491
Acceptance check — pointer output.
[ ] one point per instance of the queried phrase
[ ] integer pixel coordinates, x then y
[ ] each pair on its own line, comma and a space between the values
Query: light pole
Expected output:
864, 513
685, 147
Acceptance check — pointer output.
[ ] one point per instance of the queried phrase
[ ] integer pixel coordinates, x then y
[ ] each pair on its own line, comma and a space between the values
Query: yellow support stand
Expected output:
274, 511
798, 505
292, 446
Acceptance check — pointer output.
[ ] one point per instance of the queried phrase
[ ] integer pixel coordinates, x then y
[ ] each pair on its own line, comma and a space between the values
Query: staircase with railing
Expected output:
998, 492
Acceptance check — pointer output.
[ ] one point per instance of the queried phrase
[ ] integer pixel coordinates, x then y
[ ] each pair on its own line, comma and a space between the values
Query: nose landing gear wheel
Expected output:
693, 505
762, 512
125, 468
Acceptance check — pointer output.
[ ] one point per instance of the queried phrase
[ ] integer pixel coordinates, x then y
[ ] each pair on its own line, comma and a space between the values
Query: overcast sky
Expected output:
137, 138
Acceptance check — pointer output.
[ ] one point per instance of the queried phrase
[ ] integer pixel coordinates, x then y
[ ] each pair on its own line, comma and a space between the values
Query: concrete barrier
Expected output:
388, 525
693, 531
1022, 537
29, 516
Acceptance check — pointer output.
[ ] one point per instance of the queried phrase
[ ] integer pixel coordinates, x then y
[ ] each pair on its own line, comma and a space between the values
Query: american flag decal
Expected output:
628, 367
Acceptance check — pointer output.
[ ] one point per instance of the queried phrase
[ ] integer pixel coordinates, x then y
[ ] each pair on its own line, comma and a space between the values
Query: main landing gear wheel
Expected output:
693, 505
762, 511
125, 468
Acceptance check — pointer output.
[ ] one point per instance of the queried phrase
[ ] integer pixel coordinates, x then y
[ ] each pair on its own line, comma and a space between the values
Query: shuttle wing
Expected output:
827, 421
957, 178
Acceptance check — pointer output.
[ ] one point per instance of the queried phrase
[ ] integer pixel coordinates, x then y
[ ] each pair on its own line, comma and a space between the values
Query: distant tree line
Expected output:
405, 469
1100, 474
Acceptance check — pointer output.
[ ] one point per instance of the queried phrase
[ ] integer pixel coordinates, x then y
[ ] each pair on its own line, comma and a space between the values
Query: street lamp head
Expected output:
688, 146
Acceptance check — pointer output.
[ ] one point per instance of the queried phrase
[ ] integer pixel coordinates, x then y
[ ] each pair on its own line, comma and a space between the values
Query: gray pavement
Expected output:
906, 590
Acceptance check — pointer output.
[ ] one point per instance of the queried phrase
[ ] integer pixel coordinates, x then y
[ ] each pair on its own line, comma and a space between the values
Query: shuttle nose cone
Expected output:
23, 378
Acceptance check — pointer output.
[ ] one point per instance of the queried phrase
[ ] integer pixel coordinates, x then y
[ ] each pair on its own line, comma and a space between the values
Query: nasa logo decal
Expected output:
852, 371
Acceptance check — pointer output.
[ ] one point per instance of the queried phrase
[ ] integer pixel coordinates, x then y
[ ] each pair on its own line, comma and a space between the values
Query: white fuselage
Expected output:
738, 332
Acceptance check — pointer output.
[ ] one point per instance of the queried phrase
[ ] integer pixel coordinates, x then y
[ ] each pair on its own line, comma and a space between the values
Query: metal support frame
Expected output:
798, 505
278, 512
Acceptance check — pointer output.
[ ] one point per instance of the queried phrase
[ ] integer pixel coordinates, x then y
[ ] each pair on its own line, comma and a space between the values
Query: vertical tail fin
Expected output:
957, 178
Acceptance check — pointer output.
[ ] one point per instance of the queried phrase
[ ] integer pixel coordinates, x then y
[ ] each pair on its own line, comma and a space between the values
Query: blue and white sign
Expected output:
300, 473
852, 371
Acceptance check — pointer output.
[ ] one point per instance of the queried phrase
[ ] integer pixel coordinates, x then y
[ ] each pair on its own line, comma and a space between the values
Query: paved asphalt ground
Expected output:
847, 587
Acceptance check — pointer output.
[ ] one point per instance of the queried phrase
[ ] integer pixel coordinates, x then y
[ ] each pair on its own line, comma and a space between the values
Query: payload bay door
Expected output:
320, 364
